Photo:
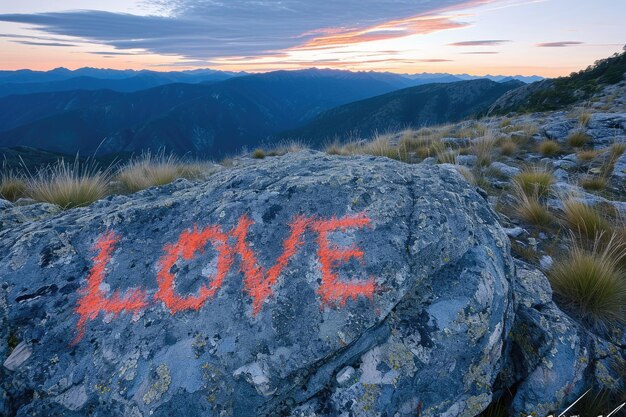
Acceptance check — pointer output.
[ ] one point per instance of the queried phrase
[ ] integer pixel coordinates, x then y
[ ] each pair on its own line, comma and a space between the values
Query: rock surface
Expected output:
300, 285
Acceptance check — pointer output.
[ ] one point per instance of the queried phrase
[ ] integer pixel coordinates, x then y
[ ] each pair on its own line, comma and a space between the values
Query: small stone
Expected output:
20, 354
345, 375
514, 231
545, 262
532, 241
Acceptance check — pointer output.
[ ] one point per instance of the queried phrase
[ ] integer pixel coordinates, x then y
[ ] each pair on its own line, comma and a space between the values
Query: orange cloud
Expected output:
417, 25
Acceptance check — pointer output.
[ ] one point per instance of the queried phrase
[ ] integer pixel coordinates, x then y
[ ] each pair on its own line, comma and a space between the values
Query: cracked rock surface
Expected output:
429, 339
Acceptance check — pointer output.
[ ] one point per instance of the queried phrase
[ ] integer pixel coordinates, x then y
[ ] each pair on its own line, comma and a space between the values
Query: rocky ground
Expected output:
458, 325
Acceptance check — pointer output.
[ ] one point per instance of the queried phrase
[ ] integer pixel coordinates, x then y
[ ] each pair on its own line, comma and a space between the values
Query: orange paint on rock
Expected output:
257, 282
94, 299
332, 290
190, 242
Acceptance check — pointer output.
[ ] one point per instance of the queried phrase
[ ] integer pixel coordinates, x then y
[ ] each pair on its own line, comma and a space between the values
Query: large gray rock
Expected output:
552, 359
383, 289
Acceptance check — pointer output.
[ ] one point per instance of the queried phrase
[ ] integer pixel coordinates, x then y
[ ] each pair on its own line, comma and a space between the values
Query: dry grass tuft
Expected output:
549, 148
530, 209
578, 139
12, 185
587, 155
593, 182
151, 170
258, 153
483, 148
591, 284
69, 185
585, 220
508, 147
534, 181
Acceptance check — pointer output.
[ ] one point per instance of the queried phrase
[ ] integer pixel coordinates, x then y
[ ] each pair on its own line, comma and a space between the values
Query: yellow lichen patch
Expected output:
160, 386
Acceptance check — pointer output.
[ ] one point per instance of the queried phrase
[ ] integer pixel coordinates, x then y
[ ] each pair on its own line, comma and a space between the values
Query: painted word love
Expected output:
229, 247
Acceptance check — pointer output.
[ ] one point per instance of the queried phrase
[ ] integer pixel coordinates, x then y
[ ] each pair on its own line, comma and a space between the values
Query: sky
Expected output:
505, 37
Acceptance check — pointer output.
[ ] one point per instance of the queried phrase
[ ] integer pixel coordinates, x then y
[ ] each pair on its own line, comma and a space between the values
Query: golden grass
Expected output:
258, 153
591, 284
549, 148
12, 185
585, 220
532, 210
584, 118
69, 185
587, 155
151, 170
578, 139
508, 147
593, 182
483, 148
447, 156
534, 181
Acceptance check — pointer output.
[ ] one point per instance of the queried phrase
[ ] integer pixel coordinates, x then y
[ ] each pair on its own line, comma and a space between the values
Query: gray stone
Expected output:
23, 201
545, 262
558, 130
466, 160
18, 356
504, 169
422, 315
4, 204
551, 356
561, 175
514, 232
564, 164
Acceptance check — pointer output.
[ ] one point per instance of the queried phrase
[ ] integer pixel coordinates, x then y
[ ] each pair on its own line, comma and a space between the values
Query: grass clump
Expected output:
584, 118
586, 155
534, 181
69, 185
584, 219
483, 148
578, 139
593, 182
258, 153
530, 209
151, 170
12, 185
591, 284
508, 147
549, 148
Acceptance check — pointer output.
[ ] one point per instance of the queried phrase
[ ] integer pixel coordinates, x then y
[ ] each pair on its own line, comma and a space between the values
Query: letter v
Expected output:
258, 282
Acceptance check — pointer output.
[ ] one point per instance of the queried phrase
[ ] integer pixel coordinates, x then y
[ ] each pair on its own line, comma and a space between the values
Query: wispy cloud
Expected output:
200, 29
481, 53
33, 43
489, 42
558, 44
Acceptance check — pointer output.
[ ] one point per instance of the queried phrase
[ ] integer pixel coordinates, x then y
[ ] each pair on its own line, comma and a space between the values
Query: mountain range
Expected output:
424, 105
209, 113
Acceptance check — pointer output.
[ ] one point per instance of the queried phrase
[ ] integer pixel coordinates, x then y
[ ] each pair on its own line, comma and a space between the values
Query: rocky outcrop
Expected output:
301, 285
304, 282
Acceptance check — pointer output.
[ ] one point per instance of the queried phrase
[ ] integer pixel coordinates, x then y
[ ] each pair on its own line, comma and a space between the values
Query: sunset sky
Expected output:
509, 37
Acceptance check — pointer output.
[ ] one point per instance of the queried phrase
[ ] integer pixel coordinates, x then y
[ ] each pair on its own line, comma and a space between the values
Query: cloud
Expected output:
481, 53
434, 60
558, 44
201, 29
32, 43
109, 54
490, 42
